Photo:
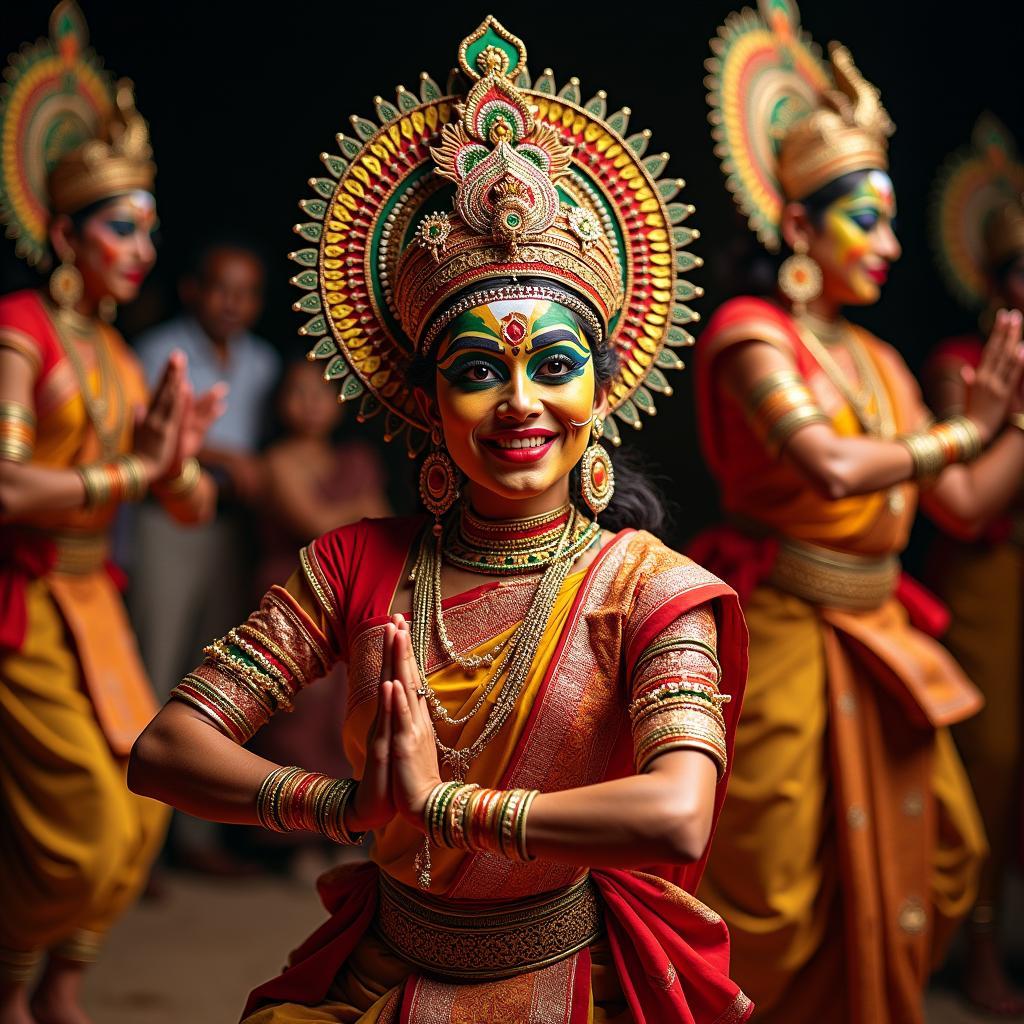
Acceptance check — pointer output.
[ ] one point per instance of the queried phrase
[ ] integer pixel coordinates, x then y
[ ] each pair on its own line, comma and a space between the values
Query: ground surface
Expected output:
194, 955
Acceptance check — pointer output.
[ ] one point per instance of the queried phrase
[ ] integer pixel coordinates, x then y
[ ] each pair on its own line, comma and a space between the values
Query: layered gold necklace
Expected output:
105, 407
556, 539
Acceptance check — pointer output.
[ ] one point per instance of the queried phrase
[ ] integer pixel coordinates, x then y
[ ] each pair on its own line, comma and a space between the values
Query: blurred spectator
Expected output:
314, 481
190, 586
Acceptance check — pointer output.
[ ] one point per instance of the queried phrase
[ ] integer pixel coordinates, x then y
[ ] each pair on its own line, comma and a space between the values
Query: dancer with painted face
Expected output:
540, 709
850, 845
978, 230
76, 183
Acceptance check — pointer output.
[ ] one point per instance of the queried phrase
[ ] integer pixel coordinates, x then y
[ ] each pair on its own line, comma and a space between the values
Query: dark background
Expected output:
241, 100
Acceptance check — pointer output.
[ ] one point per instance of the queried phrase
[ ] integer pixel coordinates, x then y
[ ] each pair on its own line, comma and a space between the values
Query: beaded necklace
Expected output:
516, 653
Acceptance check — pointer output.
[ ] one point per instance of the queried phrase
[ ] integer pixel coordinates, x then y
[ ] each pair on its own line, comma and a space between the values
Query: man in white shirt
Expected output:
190, 586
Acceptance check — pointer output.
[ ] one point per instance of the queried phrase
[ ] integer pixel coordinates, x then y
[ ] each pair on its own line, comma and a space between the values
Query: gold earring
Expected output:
800, 278
597, 476
439, 481
66, 285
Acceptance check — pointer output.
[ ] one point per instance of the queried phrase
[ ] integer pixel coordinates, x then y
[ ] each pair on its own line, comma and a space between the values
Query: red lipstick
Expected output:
520, 445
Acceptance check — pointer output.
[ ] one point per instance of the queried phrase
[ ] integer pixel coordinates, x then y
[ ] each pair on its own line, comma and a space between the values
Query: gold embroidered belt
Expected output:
79, 554
485, 941
834, 578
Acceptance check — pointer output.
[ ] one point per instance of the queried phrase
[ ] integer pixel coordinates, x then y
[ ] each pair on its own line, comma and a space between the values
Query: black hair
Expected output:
224, 241
1001, 272
637, 502
819, 201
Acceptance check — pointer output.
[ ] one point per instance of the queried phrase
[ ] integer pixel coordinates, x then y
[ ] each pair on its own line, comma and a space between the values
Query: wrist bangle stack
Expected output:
186, 481
290, 799
462, 816
956, 439
122, 478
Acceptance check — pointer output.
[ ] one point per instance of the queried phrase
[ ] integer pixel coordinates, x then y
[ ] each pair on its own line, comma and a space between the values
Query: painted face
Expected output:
512, 378
856, 243
114, 249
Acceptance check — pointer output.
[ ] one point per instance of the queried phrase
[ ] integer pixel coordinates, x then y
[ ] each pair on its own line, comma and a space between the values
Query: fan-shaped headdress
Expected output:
497, 187
784, 123
68, 135
977, 211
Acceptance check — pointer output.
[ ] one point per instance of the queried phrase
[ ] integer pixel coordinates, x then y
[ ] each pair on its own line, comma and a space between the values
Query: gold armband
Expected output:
186, 481
17, 432
956, 439
121, 478
779, 405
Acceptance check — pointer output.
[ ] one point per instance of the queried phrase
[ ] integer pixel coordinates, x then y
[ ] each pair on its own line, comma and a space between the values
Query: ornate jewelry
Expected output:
532, 181
17, 431
953, 440
290, 799
186, 481
800, 279
439, 484
516, 655
511, 547
66, 285
597, 475
779, 405
109, 393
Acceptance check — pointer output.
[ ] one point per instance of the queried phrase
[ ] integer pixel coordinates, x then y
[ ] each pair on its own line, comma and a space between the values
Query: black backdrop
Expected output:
241, 99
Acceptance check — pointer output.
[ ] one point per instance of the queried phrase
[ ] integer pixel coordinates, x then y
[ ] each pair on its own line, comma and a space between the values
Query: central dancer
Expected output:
540, 710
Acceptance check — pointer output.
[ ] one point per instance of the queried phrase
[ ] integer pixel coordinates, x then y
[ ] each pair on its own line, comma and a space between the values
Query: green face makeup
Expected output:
480, 350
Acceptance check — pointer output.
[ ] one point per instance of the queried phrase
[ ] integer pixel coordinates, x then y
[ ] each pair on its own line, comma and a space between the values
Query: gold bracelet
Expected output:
133, 476
97, 484
1016, 419
956, 439
186, 481
17, 431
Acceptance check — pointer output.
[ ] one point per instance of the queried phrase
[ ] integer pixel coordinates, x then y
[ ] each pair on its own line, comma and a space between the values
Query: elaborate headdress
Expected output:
978, 211
785, 124
497, 187
68, 135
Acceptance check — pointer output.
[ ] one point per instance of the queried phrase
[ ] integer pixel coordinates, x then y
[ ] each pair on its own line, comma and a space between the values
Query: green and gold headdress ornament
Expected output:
497, 187
977, 211
785, 123
69, 136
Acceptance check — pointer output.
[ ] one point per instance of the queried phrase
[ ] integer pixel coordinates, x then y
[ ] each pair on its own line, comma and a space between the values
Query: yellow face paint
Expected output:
512, 380
856, 243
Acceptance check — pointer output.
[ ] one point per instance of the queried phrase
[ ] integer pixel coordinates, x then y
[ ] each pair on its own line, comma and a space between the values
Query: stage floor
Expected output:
193, 955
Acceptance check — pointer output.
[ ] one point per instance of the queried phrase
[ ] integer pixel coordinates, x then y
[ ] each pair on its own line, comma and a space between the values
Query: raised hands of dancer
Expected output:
158, 430
993, 389
414, 770
199, 415
372, 805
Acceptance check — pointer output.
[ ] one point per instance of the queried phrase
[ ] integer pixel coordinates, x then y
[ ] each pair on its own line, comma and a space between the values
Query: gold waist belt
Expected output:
79, 554
834, 578
478, 941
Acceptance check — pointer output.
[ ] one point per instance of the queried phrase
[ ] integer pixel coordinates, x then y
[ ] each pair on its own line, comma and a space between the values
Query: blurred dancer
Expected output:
850, 844
978, 221
188, 586
78, 436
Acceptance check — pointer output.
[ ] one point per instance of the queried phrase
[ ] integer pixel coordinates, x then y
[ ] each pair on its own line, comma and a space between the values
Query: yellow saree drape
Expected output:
77, 845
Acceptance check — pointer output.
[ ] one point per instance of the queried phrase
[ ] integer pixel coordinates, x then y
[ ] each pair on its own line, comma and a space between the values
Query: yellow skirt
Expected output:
77, 845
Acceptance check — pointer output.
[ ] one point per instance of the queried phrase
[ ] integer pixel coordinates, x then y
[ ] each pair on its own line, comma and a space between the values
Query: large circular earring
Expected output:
439, 481
800, 278
66, 285
597, 476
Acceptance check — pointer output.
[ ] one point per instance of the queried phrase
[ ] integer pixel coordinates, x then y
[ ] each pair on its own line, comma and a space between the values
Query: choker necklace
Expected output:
510, 547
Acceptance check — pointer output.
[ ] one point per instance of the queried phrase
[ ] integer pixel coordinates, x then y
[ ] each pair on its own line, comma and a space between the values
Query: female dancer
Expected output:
555, 712
850, 844
978, 221
76, 846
